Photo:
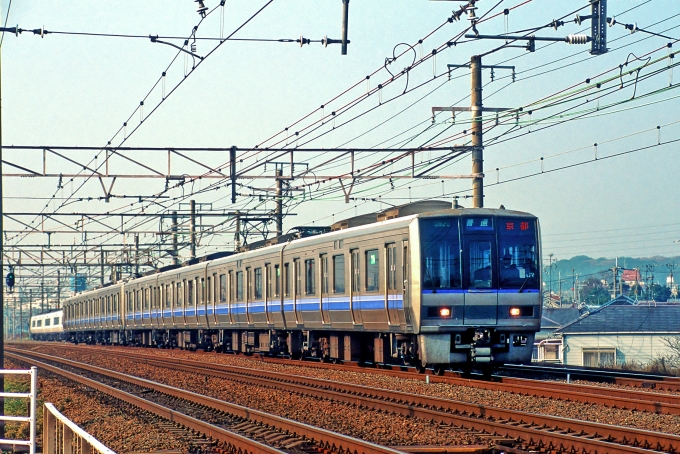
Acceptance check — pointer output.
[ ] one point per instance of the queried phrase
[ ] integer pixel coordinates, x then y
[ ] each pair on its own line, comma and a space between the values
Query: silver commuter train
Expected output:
47, 326
421, 284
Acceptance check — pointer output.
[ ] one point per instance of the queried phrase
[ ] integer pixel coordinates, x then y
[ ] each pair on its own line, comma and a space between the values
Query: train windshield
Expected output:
518, 253
440, 249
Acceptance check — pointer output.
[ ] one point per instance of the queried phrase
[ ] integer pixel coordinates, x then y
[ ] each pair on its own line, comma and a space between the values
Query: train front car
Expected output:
479, 289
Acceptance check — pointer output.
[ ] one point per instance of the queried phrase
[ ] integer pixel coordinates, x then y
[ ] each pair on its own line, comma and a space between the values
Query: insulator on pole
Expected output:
577, 39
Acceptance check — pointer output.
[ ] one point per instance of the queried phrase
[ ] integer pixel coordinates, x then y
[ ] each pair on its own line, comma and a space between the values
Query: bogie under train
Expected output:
421, 284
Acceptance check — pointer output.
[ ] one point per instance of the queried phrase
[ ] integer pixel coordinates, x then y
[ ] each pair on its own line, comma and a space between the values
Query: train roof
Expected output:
390, 216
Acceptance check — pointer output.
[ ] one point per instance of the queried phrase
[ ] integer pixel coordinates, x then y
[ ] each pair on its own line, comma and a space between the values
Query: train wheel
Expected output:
439, 369
420, 367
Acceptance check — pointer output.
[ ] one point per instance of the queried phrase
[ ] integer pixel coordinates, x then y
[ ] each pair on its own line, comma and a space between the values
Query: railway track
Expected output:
232, 427
617, 377
519, 430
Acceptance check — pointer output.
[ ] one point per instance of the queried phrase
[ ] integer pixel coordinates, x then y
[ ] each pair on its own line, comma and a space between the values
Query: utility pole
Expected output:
279, 201
477, 142
136, 254
175, 252
58, 289
192, 228
476, 109
101, 270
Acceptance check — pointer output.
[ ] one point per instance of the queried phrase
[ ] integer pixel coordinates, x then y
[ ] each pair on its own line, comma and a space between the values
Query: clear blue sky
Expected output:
76, 90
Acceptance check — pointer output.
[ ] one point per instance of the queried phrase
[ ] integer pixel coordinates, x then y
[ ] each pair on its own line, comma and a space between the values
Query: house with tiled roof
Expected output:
631, 277
621, 334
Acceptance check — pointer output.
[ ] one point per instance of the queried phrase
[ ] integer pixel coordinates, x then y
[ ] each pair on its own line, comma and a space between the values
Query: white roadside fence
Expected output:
60, 435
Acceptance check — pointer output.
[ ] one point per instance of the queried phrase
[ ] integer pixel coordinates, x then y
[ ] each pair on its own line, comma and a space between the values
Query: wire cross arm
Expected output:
569, 39
154, 39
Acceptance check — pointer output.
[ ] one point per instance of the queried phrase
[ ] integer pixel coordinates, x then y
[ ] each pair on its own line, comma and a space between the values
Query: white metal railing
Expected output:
31, 418
63, 436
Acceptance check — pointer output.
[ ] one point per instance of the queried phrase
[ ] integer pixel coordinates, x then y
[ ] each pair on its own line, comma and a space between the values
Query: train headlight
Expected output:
515, 312
445, 312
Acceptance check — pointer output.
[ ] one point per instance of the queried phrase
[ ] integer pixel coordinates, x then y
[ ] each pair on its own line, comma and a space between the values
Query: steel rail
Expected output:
403, 403
323, 436
217, 433
567, 435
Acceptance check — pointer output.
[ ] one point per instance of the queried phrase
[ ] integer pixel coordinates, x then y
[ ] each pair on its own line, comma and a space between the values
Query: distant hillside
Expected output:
587, 267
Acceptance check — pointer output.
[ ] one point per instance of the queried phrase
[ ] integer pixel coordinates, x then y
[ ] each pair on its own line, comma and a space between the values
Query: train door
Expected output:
249, 295
355, 278
406, 282
297, 289
481, 299
205, 300
267, 293
231, 293
393, 300
214, 285
324, 294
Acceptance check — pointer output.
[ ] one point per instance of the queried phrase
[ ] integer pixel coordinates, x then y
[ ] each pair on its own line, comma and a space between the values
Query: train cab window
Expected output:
440, 246
518, 252
277, 280
258, 283
480, 264
372, 271
339, 273
239, 286
310, 277
223, 288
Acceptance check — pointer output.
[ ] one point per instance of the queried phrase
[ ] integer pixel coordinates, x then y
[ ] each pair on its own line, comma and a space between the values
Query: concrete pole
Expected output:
477, 143
175, 252
279, 203
345, 21
192, 227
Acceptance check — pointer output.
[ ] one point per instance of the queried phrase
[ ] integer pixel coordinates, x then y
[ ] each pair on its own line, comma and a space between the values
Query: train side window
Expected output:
47, 322
202, 290
146, 298
372, 271
138, 300
56, 320
391, 267
239, 286
268, 281
39, 322
209, 290
258, 283
286, 279
298, 277
324, 273
339, 273
223, 288
179, 296
249, 284
356, 271
190, 292
310, 277
277, 280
